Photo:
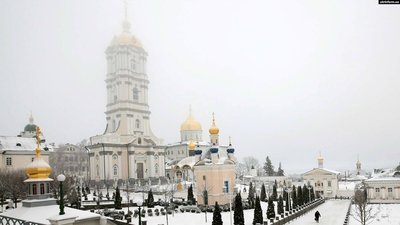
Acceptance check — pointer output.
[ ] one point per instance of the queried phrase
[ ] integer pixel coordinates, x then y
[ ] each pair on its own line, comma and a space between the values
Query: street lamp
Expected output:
61, 179
309, 192
140, 203
288, 191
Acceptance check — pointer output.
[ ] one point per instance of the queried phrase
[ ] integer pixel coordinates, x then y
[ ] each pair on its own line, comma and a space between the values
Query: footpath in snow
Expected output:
333, 212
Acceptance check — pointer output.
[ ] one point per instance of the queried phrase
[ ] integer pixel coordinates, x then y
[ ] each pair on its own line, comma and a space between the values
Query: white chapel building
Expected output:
128, 147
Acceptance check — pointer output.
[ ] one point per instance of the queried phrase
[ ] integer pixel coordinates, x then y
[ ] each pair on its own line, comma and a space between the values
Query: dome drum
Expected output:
214, 150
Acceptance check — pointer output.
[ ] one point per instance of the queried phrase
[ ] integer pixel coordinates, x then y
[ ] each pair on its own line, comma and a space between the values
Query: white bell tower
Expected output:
127, 109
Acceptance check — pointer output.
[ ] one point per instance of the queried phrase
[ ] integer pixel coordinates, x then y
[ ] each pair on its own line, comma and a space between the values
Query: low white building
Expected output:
384, 187
324, 181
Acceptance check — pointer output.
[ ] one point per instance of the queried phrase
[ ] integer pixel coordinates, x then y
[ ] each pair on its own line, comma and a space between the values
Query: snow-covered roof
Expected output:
40, 214
322, 169
15, 143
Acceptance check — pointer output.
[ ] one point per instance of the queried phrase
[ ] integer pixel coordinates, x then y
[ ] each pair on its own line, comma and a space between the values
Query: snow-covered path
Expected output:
332, 212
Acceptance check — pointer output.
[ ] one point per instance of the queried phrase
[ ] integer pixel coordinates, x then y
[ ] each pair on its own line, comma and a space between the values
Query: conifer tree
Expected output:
258, 216
280, 205
274, 192
280, 171
217, 219
251, 195
118, 199
238, 217
299, 195
268, 167
287, 203
190, 196
306, 197
294, 197
150, 199
263, 196
312, 193
271, 209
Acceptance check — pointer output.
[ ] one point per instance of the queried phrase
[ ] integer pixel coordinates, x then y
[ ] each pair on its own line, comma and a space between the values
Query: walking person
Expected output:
317, 216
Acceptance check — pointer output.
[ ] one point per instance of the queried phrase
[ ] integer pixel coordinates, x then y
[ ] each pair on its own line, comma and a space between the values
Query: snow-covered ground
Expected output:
387, 214
333, 212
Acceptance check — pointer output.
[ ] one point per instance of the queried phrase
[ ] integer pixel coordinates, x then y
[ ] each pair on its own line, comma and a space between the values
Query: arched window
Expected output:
139, 141
34, 189
135, 94
42, 188
97, 170
137, 124
115, 170
133, 64
156, 168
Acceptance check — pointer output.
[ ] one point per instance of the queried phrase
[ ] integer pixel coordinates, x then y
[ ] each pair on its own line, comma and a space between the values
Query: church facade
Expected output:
127, 148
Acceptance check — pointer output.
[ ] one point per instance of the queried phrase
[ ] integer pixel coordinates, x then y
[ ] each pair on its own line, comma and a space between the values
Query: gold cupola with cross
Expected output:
38, 168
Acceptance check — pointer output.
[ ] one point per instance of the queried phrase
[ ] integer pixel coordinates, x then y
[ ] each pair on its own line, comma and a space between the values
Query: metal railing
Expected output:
12, 221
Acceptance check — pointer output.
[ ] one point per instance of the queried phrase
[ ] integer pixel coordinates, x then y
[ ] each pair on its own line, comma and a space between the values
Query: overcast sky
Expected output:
286, 79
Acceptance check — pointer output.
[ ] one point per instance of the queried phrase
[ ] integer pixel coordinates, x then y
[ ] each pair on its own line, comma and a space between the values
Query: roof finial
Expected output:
31, 119
126, 25
38, 133
126, 9
213, 118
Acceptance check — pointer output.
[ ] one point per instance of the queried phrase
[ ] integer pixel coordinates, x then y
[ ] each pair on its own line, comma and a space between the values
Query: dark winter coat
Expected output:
317, 215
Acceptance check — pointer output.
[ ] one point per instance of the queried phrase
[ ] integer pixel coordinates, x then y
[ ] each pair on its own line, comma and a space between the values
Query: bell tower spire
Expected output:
126, 26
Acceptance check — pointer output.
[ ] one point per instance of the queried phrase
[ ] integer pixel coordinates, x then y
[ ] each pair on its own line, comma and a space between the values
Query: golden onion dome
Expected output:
126, 39
38, 169
191, 145
213, 129
191, 124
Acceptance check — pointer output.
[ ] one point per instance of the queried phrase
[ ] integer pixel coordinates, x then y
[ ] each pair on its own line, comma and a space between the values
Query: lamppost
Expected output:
288, 191
309, 192
61, 179
88, 175
139, 203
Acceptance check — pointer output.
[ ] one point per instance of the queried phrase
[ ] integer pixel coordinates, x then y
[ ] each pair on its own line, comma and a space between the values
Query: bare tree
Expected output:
240, 170
250, 162
362, 211
15, 185
3, 188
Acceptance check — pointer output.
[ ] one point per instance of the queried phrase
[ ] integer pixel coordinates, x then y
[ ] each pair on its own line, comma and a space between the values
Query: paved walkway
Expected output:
333, 212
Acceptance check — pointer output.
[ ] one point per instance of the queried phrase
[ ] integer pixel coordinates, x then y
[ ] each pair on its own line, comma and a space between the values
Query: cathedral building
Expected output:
179, 156
128, 147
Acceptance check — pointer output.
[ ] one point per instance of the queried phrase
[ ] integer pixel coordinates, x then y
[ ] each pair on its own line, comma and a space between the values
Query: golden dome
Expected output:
213, 129
190, 124
38, 169
191, 145
126, 39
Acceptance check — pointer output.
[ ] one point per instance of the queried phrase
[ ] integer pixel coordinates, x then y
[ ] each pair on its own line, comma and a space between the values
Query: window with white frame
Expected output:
377, 190
115, 170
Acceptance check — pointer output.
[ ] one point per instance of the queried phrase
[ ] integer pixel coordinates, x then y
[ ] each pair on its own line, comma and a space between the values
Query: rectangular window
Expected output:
42, 188
226, 186
329, 183
33, 159
390, 189
377, 190
204, 177
9, 161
